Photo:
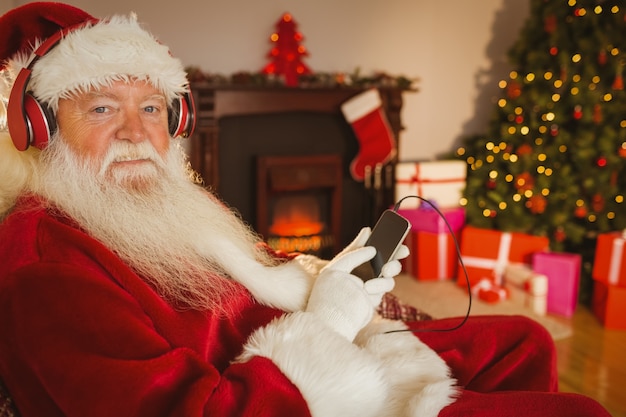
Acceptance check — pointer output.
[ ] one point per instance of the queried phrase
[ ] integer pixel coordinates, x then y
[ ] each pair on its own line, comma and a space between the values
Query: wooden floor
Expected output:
593, 362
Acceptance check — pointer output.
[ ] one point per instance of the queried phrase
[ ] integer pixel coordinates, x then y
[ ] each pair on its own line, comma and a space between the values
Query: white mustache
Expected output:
126, 151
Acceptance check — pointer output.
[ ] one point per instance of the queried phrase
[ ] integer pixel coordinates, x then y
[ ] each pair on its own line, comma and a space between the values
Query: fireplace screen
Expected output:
299, 203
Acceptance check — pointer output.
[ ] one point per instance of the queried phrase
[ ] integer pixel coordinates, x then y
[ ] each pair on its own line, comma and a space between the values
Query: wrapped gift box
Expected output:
609, 305
433, 252
486, 252
527, 287
609, 265
433, 256
563, 272
441, 182
427, 219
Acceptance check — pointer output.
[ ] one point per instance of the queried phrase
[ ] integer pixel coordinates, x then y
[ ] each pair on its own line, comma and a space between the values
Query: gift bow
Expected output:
488, 291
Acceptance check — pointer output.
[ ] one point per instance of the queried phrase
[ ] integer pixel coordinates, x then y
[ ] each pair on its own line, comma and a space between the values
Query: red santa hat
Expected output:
90, 53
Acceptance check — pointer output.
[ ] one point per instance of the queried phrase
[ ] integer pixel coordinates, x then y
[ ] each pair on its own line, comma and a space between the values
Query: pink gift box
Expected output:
427, 219
563, 272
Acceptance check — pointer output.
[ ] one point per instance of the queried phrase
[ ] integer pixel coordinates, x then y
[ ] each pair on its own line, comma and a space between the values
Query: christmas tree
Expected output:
287, 52
552, 162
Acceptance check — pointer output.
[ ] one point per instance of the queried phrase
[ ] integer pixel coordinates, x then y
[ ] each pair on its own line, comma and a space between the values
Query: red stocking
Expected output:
369, 122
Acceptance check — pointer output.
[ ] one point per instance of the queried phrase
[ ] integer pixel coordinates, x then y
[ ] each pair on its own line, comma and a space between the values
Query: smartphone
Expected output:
387, 236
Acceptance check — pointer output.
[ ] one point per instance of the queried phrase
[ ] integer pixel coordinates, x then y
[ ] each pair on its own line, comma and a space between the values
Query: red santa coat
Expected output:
83, 335
86, 336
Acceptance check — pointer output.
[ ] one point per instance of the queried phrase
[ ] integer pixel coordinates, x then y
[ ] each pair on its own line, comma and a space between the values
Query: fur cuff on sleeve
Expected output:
335, 377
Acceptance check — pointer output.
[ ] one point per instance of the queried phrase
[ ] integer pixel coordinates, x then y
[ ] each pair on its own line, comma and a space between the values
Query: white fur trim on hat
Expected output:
96, 55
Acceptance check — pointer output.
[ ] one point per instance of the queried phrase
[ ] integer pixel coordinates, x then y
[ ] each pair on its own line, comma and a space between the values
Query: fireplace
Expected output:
298, 204
266, 150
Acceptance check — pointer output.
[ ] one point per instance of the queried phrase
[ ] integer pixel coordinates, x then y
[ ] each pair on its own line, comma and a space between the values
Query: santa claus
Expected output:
127, 289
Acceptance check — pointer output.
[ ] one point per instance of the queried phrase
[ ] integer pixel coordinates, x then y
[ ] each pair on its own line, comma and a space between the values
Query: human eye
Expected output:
99, 105
154, 105
100, 109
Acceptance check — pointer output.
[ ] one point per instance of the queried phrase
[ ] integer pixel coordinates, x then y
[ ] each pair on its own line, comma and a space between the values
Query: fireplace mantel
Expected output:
216, 102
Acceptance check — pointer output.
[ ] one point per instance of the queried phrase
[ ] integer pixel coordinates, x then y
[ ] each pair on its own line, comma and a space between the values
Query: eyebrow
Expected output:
97, 94
100, 94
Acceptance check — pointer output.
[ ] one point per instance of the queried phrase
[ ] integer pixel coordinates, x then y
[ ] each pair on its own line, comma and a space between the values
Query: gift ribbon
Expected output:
497, 265
442, 256
415, 179
616, 260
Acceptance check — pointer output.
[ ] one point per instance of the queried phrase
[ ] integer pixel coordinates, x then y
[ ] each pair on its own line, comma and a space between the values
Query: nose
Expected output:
131, 128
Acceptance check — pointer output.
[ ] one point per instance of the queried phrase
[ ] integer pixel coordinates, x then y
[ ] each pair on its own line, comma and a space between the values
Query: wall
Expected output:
456, 48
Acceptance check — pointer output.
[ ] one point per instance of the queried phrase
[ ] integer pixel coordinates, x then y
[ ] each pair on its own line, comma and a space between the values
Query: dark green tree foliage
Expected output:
553, 160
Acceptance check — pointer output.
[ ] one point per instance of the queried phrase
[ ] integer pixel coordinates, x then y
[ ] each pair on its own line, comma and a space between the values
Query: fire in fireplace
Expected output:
296, 216
296, 226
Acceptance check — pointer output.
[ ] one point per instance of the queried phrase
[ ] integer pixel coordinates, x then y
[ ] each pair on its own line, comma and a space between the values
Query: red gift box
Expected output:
433, 252
563, 272
609, 305
433, 256
487, 252
609, 265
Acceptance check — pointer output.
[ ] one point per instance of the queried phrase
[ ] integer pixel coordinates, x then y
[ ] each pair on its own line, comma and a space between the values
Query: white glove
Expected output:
377, 287
339, 298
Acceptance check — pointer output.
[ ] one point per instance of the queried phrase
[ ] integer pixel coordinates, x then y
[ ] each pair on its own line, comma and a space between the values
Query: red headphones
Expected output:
33, 123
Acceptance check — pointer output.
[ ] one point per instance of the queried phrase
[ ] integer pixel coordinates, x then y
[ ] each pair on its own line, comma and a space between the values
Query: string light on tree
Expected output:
560, 120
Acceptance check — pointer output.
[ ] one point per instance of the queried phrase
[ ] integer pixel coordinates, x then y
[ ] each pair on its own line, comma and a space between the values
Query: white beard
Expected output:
176, 235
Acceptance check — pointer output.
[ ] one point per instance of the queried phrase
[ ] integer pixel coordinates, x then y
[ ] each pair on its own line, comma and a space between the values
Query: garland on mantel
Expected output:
313, 80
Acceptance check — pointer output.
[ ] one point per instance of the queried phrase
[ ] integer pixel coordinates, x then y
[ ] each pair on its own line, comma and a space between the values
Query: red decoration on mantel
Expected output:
287, 53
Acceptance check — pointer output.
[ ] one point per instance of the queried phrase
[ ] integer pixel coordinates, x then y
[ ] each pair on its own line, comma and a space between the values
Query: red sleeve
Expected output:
76, 344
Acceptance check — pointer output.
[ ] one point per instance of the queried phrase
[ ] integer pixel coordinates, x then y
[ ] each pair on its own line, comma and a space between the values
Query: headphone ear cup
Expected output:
41, 121
17, 120
182, 116
30, 122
